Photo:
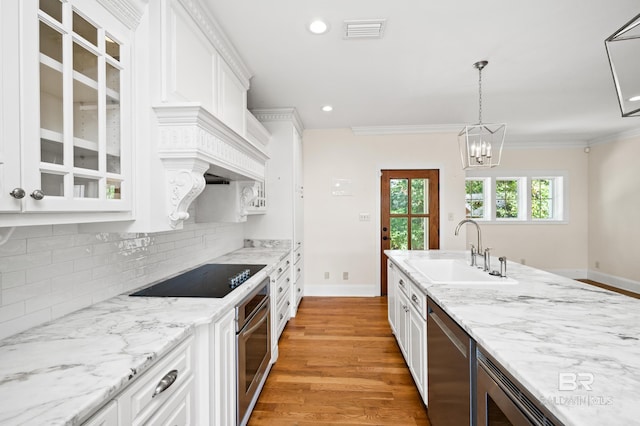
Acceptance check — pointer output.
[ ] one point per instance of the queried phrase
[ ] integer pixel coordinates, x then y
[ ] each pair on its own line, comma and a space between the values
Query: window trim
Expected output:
560, 179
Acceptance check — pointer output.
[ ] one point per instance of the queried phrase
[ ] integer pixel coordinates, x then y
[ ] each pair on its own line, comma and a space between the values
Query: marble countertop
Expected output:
546, 330
62, 371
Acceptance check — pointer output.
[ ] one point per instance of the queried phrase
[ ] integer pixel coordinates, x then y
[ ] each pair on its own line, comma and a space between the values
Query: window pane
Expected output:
542, 199
51, 151
51, 111
113, 189
419, 196
399, 233
419, 233
113, 119
50, 42
474, 198
507, 199
399, 196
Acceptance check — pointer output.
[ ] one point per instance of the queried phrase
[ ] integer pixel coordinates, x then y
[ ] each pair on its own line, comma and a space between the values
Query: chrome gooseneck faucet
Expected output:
474, 250
462, 222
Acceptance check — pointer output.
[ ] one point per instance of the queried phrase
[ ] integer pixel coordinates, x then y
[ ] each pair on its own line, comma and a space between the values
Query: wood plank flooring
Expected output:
339, 364
608, 287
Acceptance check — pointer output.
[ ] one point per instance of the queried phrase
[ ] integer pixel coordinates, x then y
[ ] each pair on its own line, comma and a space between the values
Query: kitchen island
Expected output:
63, 371
546, 328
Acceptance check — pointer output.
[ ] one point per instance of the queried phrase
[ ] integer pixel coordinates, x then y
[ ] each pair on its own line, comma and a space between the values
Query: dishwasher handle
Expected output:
448, 332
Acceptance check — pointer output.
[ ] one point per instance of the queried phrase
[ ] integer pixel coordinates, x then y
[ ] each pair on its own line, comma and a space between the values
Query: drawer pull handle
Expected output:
281, 316
165, 382
279, 270
401, 282
280, 289
414, 298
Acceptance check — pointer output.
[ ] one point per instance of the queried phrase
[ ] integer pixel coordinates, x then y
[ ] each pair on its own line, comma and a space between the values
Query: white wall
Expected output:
336, 241
614, 209
560, 248
49, 271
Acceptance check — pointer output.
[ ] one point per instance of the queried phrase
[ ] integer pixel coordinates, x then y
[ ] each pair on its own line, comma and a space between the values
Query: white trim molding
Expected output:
614, 281
129, 12
279, 114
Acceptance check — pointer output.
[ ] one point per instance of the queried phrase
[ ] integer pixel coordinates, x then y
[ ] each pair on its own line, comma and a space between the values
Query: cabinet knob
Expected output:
165, 382
18, 193
37, 195
385, 238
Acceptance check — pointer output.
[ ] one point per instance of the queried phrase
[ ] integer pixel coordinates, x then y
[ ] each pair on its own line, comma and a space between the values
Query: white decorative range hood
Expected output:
193, 141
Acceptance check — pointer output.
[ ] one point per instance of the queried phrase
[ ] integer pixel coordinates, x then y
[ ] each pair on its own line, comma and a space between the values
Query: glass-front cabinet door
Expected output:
75, 101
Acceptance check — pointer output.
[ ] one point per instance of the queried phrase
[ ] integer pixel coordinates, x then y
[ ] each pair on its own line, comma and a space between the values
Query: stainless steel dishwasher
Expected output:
450, 370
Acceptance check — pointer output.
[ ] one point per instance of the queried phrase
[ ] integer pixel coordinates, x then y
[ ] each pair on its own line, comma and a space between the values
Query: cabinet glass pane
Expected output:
85, 126
51, 110
419, 233
113, 189
399, 196
419, 196
113, 119
51, 151
83, 28
399, 233
112, 48
85, 187
52, 8
50, 42
52, 185
85, 62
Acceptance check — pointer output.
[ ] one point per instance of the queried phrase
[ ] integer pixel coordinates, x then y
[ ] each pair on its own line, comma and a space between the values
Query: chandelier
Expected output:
481, 144
623, 51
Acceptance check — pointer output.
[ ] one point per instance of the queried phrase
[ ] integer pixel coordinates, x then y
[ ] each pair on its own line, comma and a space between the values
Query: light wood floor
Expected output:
339, 364
608, 287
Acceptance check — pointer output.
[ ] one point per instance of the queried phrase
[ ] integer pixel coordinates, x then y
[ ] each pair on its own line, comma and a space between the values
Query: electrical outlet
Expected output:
365, 217
326, 275
345, 275
597, 264
523, 261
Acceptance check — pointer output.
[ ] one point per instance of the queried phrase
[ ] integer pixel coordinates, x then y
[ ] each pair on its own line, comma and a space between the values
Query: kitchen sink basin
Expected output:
455, 271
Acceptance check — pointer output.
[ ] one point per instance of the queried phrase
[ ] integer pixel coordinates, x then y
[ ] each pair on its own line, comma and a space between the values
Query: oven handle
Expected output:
265, 307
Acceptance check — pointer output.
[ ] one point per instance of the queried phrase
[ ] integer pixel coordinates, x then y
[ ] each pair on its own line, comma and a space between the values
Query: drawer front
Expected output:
282, 287
177, 410
282, 268
403, 283
107, 416
138, 402
282, 315
297, 256
418, 300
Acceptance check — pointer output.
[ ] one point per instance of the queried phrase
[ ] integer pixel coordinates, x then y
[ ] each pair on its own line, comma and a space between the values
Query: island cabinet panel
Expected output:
407, 318
107, 416
222, 377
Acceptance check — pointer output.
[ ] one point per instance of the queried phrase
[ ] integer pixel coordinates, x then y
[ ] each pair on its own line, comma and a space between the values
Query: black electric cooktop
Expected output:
212, 280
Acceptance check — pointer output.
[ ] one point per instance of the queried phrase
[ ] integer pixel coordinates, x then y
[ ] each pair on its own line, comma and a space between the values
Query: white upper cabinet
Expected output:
66, 104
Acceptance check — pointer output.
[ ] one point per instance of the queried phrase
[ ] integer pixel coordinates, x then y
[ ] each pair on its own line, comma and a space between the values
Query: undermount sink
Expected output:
455, 271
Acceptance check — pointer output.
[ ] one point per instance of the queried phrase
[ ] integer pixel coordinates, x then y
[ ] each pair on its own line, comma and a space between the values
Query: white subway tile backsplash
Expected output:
49, 271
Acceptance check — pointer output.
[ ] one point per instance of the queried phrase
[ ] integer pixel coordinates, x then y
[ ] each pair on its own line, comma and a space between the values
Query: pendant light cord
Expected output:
479, 95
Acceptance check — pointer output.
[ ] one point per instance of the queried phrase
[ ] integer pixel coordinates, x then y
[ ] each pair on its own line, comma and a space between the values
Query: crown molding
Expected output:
629, 134
279, 114
406, 130
212, 30
129, 12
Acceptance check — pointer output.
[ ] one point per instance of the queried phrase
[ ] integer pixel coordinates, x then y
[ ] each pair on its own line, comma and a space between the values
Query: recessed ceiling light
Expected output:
318, 26
327, 108
634, 98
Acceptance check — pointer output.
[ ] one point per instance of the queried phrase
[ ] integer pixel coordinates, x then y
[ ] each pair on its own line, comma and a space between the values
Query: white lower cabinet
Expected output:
280, 301
168, 383
222, 377
407, 317
107, 416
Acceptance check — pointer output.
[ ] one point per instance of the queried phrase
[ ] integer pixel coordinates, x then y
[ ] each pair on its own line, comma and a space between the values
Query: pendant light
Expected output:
481, 144
623, 48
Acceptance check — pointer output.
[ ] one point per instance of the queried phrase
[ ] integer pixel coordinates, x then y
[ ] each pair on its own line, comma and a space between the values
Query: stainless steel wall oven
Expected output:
253, 348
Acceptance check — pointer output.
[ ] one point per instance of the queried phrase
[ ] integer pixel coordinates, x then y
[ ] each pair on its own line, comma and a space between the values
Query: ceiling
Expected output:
548, 76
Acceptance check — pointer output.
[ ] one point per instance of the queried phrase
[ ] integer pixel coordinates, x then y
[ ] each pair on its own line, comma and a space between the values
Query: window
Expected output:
475, 198
507, 205
499, 196
542, 199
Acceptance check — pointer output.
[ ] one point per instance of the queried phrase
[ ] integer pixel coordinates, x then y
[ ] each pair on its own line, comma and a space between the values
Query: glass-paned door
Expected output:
410, 212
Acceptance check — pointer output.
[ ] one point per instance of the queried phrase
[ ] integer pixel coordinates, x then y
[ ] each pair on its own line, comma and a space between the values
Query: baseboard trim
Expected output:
614, 281
341, 290
576, 274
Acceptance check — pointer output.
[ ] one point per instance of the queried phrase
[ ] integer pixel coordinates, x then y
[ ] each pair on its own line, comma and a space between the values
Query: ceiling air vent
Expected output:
364, 28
